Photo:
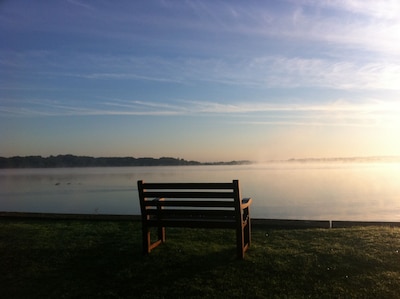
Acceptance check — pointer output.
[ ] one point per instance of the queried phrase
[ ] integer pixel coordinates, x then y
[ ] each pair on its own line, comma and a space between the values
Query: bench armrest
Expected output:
246, 202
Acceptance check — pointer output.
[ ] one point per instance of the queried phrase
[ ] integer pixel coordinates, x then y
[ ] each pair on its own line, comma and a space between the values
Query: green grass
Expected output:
100, 259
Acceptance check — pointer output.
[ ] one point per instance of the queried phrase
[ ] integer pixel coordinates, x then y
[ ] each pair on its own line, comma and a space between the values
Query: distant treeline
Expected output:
84, 161
348, 159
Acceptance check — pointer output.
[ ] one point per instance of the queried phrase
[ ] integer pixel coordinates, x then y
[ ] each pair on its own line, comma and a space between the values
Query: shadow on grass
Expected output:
88, 259
67, 259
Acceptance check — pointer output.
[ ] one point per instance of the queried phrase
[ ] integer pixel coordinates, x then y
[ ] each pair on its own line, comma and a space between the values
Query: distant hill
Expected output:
85, 161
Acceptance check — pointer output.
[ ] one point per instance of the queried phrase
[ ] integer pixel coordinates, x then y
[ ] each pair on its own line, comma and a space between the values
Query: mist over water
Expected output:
317, 191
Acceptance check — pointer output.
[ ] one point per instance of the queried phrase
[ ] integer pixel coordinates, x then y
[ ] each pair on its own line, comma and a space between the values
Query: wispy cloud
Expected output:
315, 72
367, 26
340, 113
325, 44
46, 107
384, 9
81, 4
145, 108
269, 71
126, 76
373, 114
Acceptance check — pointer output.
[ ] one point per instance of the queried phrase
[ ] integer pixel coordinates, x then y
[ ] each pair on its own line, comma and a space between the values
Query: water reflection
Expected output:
352, 191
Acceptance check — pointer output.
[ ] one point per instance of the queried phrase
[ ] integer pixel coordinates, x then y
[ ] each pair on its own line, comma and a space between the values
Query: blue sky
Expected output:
200, 80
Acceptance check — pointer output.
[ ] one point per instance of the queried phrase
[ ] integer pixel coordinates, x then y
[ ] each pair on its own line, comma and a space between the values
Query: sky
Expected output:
200, 80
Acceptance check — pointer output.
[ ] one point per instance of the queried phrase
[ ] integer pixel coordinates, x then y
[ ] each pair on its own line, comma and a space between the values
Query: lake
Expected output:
313, 191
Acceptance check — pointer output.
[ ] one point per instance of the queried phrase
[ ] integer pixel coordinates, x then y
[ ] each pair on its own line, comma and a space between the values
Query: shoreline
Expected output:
260, 222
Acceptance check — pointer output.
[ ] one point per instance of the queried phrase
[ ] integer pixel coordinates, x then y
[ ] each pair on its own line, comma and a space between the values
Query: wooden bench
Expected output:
194, 205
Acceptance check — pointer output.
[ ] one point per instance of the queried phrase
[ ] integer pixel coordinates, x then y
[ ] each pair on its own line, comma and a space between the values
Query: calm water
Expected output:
348, 191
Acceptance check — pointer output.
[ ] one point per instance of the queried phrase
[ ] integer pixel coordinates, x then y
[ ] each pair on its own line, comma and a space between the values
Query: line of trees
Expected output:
85, 161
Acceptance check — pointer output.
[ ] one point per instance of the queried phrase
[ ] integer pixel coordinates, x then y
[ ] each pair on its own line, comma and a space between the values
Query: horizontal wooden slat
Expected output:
191, 212
166, 186
192, 223
190, 203
187, 194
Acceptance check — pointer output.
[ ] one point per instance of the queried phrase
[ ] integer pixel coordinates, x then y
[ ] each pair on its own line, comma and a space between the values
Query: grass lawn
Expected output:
102, 259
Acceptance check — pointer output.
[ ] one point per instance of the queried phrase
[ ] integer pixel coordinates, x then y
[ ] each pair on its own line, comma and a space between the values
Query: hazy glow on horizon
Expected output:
200, 80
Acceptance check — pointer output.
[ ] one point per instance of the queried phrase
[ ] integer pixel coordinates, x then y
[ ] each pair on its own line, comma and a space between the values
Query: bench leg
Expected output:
247, 231
161, 234
243, 235
240, 242
243, 240
239, 246
146, 239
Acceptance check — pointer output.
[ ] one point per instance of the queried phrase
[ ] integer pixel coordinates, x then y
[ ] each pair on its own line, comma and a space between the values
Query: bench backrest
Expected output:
213, 200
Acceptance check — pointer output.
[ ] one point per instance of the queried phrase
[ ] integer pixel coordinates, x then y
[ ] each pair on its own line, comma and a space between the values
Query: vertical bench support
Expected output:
146, 235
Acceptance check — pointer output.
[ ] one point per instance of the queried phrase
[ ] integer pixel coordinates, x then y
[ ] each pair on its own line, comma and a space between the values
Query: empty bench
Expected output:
194, 205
